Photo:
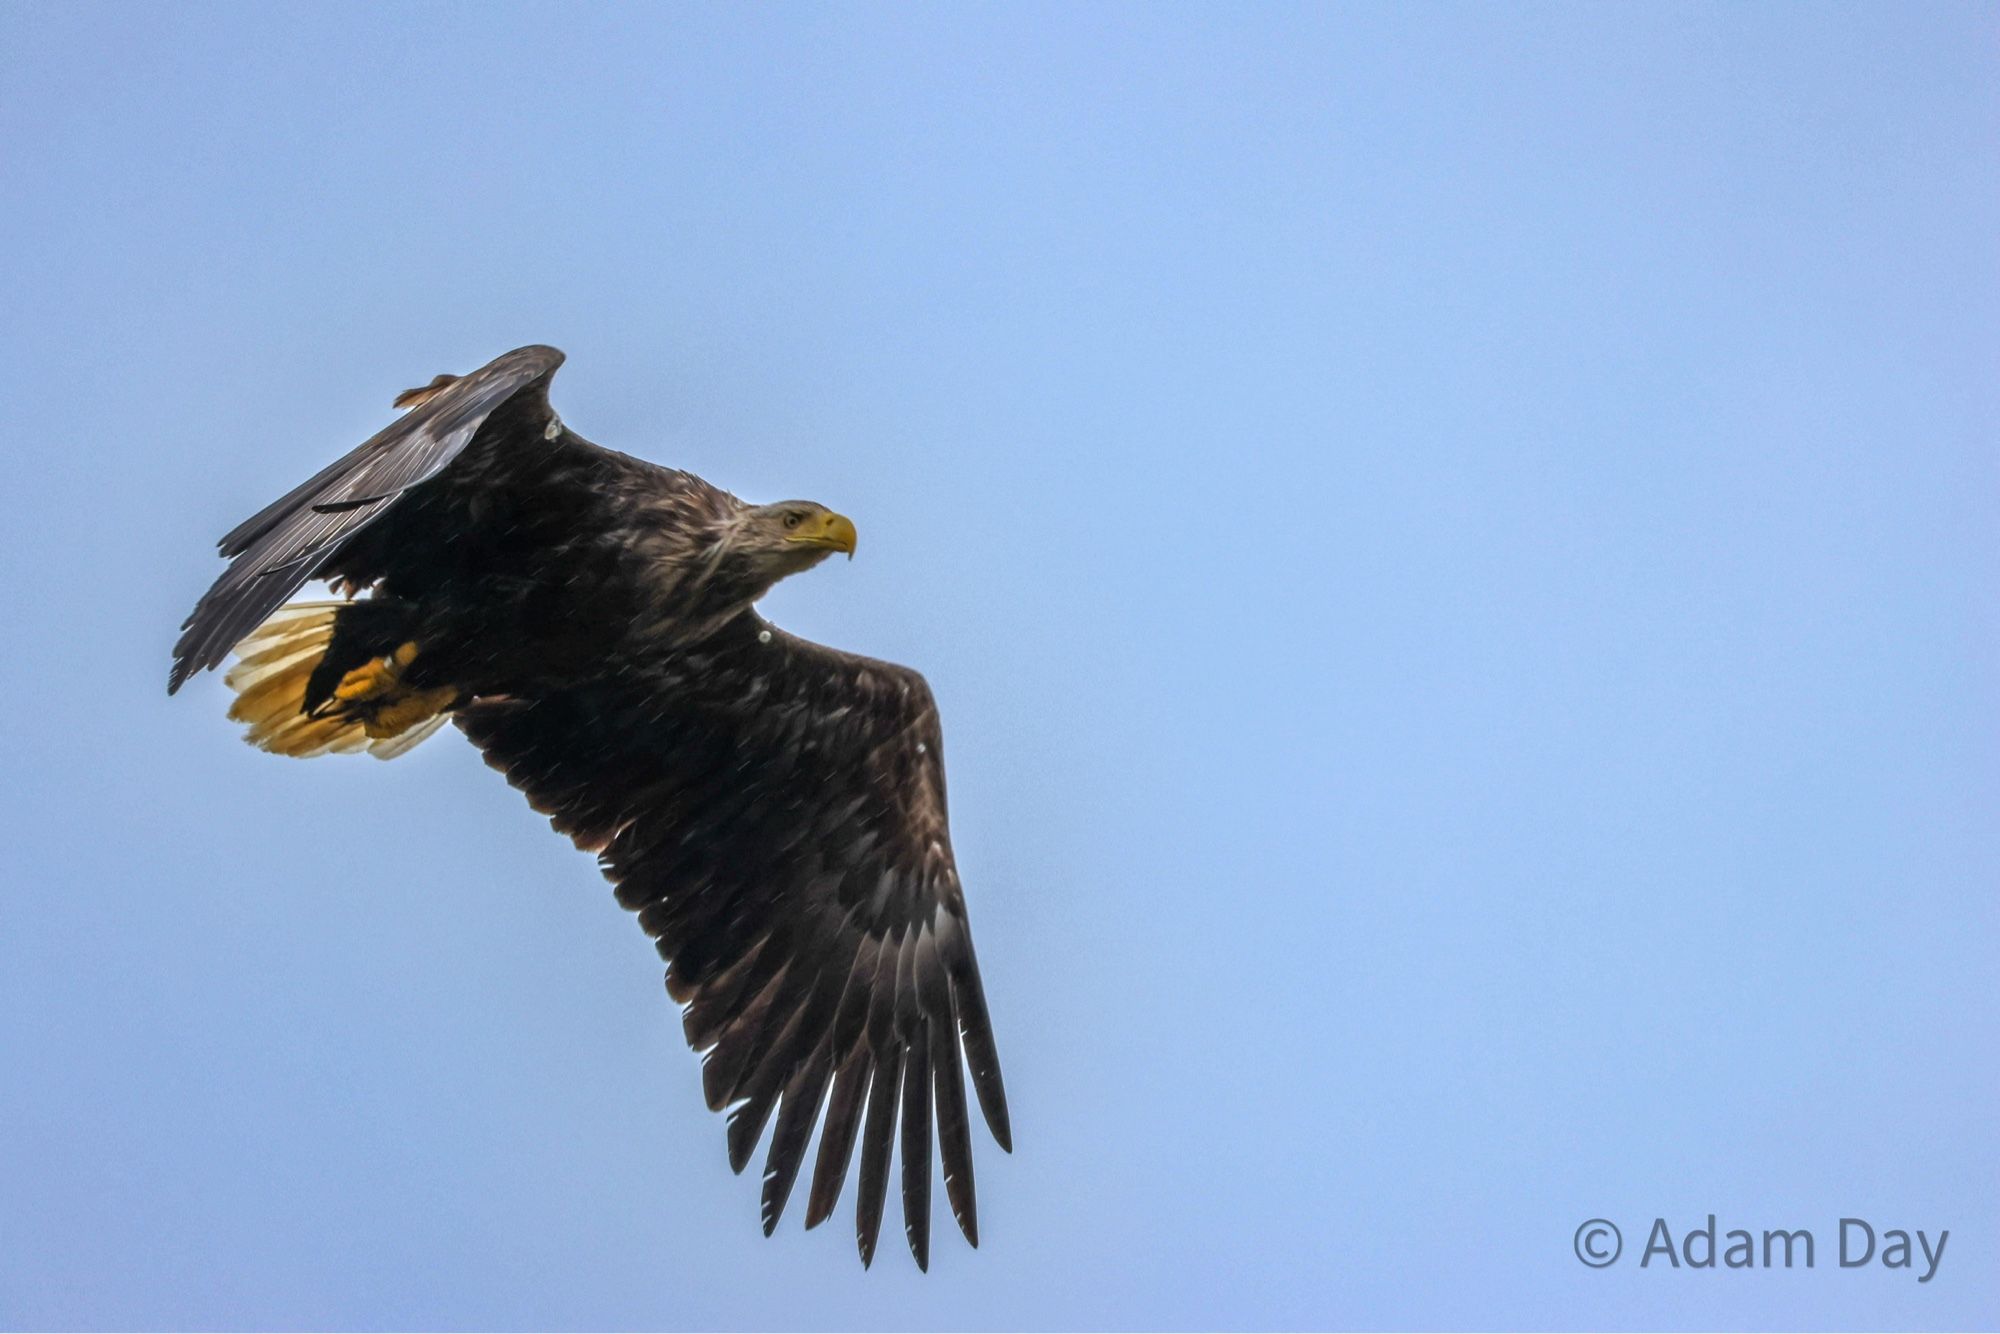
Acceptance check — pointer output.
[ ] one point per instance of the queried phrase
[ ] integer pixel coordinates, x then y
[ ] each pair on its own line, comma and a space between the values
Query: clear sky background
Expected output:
1456, 545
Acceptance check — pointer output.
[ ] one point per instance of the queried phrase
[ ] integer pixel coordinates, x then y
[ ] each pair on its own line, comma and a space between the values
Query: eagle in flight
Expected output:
773, 811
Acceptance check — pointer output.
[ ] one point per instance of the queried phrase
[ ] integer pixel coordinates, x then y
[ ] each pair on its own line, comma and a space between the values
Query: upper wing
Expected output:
279, 548
775, 813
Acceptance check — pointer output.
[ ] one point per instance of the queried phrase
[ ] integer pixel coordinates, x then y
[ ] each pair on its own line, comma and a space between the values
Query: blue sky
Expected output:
1455, 545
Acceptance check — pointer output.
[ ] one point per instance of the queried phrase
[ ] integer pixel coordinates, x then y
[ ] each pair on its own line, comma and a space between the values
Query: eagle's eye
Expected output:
792, 519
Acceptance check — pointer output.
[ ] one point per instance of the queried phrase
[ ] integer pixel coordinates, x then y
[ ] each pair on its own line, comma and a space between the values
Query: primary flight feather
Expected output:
773, 810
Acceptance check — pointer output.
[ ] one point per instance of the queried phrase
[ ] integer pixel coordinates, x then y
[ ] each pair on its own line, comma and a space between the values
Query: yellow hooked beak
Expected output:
830, 530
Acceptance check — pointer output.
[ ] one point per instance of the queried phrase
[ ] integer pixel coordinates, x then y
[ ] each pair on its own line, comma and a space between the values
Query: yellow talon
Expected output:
405, 654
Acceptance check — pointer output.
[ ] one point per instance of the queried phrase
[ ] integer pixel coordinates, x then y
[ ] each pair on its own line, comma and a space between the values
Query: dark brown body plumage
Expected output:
772, 810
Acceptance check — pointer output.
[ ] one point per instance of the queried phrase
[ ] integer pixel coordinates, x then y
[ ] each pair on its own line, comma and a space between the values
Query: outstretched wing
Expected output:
774, 811
278, 549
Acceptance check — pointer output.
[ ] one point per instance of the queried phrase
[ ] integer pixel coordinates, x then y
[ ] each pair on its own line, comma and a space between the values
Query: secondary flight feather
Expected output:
771, 809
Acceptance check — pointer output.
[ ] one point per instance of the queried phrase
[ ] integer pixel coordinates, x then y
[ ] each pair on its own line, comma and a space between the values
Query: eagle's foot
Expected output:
376, 679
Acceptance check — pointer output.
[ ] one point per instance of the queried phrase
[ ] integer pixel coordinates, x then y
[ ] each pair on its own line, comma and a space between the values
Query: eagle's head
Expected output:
790, 536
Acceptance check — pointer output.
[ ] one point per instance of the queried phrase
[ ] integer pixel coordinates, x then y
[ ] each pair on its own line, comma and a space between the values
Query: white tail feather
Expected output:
274, 663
